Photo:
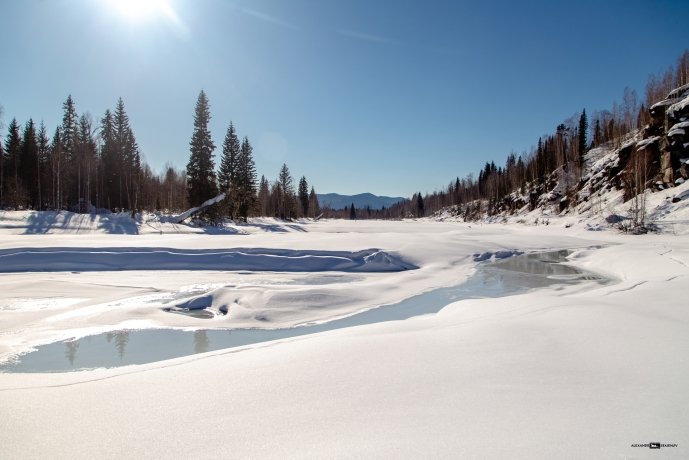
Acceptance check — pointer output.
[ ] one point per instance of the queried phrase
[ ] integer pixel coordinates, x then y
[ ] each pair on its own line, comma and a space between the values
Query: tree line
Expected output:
88, 166
84, 166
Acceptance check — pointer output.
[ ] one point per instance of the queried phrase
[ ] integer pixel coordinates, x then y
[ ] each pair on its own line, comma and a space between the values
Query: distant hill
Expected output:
336, 201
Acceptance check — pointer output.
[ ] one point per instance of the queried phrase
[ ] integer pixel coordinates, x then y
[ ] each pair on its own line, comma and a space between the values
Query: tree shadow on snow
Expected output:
277, 228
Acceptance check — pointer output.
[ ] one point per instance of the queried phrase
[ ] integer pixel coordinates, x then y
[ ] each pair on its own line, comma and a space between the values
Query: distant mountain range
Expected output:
336, 201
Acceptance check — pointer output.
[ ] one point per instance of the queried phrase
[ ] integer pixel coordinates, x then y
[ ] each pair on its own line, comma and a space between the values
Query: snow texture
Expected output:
579, 371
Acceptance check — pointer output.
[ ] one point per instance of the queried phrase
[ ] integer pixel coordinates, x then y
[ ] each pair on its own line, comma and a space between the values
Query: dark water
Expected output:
492, 279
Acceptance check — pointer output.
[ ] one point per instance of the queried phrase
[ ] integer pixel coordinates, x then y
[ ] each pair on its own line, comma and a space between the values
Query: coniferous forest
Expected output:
87, 165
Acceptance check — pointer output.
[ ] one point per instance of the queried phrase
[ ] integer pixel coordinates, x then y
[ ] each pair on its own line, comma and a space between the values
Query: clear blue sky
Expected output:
389, 97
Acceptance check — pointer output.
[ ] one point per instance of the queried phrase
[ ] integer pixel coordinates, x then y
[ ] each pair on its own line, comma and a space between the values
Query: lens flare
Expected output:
141, 10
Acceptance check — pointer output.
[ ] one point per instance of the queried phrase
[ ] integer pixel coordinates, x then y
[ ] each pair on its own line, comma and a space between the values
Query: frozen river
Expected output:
126, 347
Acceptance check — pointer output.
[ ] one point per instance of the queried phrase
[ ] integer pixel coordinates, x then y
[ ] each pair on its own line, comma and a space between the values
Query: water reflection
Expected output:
71, 350
492, 279
201, 342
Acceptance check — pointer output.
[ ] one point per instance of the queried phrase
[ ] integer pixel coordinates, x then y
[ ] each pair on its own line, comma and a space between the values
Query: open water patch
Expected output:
493, 278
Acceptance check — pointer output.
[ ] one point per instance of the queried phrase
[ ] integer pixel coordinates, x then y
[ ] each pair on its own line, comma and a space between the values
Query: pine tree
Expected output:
43, 166
28, 167
303, 194
352, 212
69, 128
57, 164
246, 180
314, 207
286, 197
110, 164
68, 136
13, 147
264, 198
583, 129
86, 163
419, 205
133, 170
227, 174
201, 182
127, 159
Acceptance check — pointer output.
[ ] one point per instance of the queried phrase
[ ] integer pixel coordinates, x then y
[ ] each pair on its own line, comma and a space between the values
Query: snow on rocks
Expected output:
646, 142
503, 254
678, 110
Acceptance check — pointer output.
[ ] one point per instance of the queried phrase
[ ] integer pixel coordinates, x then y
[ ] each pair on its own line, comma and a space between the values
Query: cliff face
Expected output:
655, 157
667, 137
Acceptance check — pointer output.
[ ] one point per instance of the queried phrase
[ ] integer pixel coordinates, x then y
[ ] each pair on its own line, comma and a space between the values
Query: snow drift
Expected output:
254, 259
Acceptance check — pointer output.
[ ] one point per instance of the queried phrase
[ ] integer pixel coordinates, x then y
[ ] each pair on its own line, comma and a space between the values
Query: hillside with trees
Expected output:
646, 137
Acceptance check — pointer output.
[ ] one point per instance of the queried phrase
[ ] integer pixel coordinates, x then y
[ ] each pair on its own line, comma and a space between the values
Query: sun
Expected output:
140, 10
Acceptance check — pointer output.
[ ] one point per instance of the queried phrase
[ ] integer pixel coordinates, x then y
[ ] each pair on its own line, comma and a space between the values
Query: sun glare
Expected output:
141, 10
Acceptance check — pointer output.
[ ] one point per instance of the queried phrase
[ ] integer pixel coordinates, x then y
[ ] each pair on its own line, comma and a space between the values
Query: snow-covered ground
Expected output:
578, 371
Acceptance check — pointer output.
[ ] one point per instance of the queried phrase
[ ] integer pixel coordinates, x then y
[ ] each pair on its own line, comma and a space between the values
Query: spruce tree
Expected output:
43, 166
110, 165
13, 147
419, 205
69, 127
87, 158
303, 194
264, 198
201, 182
68, 137
28, 167
314, 207
352, 212
127, 159
246, 180
57, 165
583, 129
227, 174
286, 197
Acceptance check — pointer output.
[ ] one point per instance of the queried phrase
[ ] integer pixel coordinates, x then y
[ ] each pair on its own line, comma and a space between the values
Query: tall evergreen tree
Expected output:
69, 127
227, 174
582, 131
303, 195
128, 159
352, 212
201, 182
286, 198
110, 164
246, 180
29, 165
57, 164
264, 198
86, 159
68, 136
15, 190
314, 207
419, 205
43, 166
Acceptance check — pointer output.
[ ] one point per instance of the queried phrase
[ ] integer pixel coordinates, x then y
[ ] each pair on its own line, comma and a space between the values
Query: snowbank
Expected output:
253, 259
